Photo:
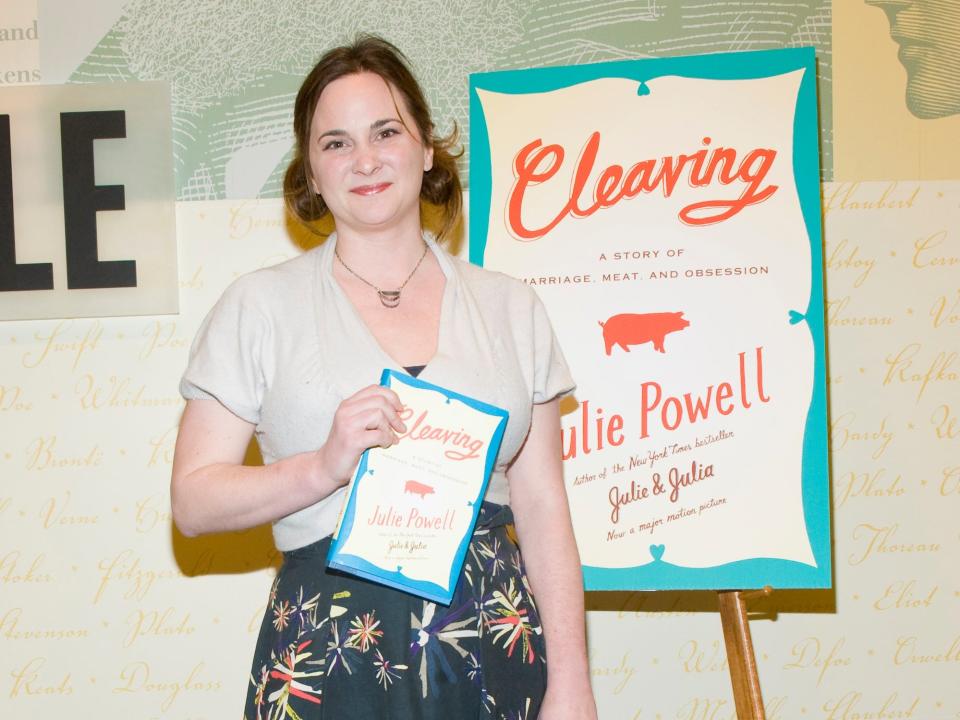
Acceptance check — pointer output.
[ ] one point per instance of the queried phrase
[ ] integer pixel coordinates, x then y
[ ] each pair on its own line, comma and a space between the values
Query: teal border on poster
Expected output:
356, 565
756, 572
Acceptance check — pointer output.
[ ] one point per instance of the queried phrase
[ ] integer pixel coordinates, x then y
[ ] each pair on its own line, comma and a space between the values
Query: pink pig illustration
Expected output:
635, 329
418, 488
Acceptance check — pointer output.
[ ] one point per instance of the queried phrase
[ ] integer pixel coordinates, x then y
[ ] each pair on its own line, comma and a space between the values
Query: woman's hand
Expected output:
212, 491
369, 418
568, 703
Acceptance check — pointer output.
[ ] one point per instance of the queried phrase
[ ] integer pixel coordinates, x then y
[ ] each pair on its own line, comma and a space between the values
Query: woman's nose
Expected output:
366, 160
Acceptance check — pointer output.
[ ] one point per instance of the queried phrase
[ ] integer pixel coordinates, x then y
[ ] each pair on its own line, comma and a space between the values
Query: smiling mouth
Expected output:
370, 189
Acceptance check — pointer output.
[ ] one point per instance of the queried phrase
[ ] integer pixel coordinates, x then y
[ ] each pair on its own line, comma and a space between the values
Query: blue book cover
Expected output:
412, 507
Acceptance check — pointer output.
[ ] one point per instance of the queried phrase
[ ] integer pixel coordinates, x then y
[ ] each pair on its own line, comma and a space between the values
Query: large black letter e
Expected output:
82, 199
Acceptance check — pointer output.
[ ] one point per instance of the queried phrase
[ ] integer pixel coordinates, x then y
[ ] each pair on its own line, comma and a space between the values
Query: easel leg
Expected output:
740, 656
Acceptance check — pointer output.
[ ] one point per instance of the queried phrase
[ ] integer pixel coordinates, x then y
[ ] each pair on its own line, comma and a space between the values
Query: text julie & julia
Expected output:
675, 480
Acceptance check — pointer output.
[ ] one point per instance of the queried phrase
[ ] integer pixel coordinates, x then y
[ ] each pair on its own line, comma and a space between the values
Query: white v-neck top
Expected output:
284, 346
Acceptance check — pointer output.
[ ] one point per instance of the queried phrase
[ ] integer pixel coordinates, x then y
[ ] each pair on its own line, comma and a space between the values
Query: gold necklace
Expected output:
388, 298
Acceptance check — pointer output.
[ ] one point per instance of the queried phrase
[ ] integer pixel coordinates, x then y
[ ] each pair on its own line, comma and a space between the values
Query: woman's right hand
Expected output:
368, 418
213, 491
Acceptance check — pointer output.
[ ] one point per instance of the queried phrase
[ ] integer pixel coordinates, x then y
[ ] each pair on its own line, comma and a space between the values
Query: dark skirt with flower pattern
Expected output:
335, 646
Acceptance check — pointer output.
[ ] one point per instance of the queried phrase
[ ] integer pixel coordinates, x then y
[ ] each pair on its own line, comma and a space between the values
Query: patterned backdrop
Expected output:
106, 611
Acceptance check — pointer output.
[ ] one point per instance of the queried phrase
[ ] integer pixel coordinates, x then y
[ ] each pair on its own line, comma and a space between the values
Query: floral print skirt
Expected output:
335, 646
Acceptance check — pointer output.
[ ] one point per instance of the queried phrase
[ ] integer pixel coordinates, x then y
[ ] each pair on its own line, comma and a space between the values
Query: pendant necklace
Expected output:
388, 298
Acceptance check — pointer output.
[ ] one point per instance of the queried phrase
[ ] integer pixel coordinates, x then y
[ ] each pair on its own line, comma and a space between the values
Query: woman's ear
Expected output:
428, 157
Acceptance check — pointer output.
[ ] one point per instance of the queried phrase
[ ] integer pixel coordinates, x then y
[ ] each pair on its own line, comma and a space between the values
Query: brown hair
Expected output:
368, 53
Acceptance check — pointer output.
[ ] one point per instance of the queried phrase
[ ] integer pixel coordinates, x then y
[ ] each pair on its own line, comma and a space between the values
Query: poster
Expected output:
87, 217
667, 211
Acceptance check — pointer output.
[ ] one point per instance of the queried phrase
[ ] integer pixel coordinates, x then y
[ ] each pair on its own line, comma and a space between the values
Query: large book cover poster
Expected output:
667, 211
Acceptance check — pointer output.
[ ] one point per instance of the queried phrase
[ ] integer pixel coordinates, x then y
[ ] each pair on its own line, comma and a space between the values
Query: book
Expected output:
411, 509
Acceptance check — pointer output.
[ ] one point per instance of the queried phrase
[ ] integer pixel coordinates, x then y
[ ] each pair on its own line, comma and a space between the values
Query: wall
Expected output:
105, 609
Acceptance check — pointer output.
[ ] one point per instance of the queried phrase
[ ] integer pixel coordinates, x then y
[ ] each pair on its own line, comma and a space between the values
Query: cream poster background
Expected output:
106, 612
602, 251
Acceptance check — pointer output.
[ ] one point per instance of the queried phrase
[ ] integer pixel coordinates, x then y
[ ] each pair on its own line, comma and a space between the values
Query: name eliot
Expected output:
390, 517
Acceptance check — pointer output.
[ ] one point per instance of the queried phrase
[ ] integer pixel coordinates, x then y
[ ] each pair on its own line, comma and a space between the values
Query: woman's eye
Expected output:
388, 132
334, 145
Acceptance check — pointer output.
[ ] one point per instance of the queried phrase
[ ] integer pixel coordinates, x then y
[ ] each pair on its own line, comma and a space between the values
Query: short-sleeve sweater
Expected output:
284, 346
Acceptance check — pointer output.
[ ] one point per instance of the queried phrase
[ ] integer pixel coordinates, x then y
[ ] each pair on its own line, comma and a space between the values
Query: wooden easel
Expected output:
740, 656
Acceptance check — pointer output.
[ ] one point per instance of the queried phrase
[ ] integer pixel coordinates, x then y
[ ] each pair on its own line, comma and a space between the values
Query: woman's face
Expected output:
366, 154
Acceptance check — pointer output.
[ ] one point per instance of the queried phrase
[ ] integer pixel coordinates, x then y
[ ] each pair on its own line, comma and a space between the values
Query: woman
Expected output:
289, 352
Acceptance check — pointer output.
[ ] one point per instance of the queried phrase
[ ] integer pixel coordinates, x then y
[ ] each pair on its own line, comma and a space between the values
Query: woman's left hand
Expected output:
568, 704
